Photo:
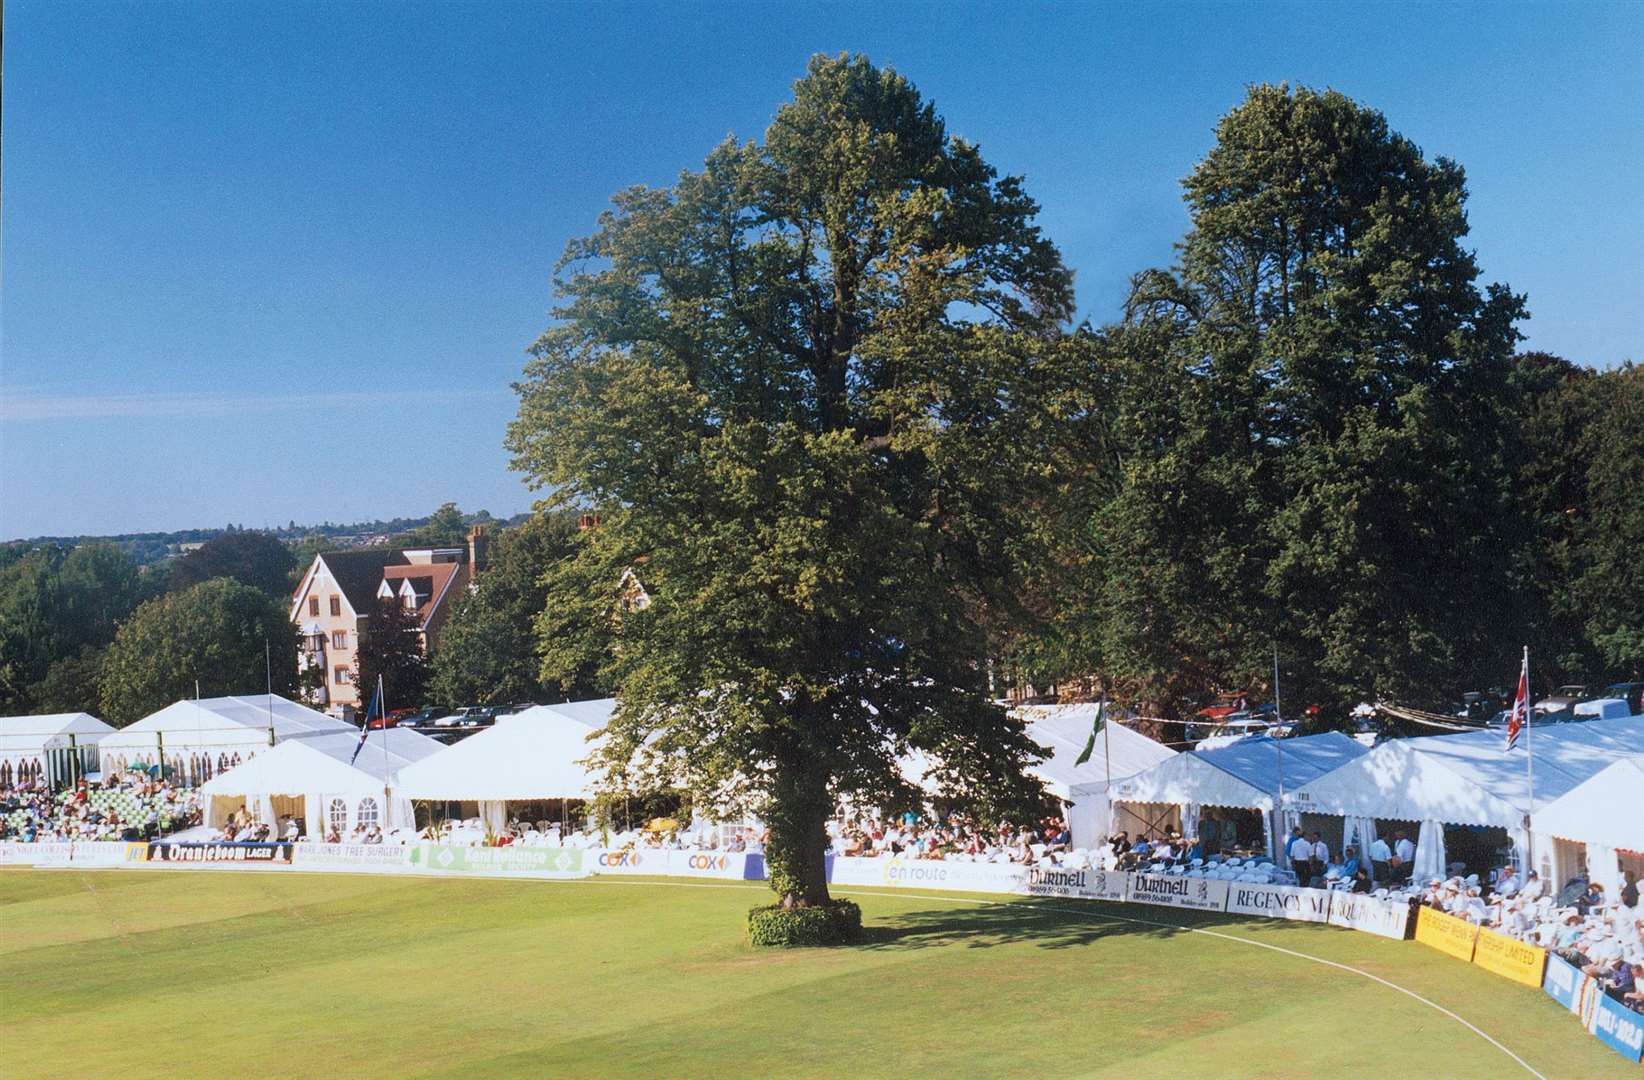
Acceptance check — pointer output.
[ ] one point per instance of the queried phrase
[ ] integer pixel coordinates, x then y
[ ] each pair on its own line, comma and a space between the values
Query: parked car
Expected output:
516, 707
469, 716
1564, 698
1631, 692
422, 717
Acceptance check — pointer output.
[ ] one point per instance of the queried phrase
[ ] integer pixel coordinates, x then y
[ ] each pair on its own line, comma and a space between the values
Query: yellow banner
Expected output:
1446, 933
137, 852
1509, 958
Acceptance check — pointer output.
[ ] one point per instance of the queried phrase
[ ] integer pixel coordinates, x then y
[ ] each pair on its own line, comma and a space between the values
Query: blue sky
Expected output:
267, 262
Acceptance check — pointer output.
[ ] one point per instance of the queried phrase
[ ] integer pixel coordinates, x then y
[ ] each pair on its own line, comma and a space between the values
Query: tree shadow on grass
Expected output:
1049, 924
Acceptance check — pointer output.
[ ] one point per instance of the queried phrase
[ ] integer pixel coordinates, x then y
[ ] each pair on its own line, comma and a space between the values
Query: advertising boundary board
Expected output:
216, 852
1110, 885
725, 865
605, 861
318, 856
1279, 902
1563, 982
1178, 891
511, 861
1446, 933
1384, 918
1509, 957
1617, 1027
929, 874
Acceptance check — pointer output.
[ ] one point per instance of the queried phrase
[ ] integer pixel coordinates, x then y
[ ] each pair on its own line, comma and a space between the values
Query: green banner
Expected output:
560, 862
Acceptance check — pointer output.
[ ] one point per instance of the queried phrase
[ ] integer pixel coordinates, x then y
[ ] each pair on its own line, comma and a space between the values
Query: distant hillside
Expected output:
153, 547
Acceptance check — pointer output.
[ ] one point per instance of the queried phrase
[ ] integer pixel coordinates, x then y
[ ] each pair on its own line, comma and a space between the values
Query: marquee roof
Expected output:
1599, 809
32, 733
1471, 778
319, 764
226, 721
1248, 773
530, 755
1064, 729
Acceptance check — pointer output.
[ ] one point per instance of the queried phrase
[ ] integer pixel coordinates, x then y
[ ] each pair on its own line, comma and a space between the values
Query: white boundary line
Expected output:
752, 886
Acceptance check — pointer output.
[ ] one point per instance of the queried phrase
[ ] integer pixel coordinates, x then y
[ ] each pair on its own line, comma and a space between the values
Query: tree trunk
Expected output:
796, 856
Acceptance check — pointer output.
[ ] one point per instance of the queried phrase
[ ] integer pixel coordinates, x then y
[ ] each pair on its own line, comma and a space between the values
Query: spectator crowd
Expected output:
127, 806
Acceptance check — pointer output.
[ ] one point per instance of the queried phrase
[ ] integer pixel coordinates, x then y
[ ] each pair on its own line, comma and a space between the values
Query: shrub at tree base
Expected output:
837, 922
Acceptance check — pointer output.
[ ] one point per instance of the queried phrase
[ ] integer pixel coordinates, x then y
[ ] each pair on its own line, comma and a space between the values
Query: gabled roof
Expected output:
38, 732
1587, 813
225, 721
325, 764
536, 754
358, 573
1248, 773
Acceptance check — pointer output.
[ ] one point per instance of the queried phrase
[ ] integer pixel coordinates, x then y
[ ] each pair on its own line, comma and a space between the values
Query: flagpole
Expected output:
1529, 769
382, 718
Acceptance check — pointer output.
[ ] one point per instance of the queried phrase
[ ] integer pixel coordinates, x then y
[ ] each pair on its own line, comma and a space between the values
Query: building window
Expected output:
368, 812
337, 815
342, 676
313, 605
339, 639
336, 605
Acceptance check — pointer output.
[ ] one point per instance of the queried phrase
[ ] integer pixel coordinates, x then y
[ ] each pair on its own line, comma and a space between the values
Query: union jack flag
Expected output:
1520, 715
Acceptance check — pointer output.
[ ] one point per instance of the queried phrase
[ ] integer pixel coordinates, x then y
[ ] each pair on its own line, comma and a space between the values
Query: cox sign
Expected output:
630, 862
714, 864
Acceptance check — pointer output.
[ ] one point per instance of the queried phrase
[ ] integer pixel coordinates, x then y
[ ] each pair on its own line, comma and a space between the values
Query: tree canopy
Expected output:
258, 559
803, 389
390, 647
211, 636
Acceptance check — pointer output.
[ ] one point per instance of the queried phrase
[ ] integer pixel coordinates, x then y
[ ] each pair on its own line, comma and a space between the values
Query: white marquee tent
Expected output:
1119, 752
311, 778
531, 755
1596, 814
48, 745
1250, 774
203, 737
1472, 779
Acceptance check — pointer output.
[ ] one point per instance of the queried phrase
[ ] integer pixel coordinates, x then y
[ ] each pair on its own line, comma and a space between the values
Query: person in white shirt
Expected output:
1380, 859
1321, 856
1301, 856
1404, 856
1507, 883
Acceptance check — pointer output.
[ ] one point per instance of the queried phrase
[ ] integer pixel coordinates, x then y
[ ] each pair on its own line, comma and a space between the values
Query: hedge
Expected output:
837, 922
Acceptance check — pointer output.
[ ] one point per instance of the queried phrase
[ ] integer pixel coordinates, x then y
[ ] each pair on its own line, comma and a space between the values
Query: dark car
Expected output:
421, 718
1631, 692
1564, 699
469, 716
1478, 706
516, 707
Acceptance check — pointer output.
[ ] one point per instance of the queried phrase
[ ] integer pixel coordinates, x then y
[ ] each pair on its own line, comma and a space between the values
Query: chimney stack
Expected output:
479, 549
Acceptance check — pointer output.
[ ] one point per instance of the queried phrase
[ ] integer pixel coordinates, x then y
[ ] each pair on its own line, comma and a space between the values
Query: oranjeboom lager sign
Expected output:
1199, 894
1279, 902
217, 852
536, 861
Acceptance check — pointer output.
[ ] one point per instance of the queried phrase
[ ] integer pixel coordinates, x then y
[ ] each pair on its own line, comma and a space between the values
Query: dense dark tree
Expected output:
488, 649
805, 391
391, 647
445, 528
54, 604
257, 559
212, 636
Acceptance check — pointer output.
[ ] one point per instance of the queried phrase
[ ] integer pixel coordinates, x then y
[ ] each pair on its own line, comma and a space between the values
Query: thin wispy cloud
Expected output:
20, 406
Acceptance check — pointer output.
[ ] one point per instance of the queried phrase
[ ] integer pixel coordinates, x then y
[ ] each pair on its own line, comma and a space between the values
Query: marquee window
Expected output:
368, 811
337, 815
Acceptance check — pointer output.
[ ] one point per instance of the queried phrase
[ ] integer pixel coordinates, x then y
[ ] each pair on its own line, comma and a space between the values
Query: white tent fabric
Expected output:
1119, 752
217, 724
1248, 774
1359, 833
1429, 862
317, 768
1597, 810
535, 754
50, 743
1470, 778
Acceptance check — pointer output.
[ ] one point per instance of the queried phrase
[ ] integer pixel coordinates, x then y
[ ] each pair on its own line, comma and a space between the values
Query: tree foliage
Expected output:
1308, 423
391, 647
444, 528
211, 635
805, 390
55, 605
257, 559
487, 651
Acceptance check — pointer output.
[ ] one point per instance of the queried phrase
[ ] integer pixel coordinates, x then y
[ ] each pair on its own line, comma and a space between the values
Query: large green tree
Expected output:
57, 606
258, 559
444, 528
1310, 419
211, 636
487, 651
391, 648
805, 389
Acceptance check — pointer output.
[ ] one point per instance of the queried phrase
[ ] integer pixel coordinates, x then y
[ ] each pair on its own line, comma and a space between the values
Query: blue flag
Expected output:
374, 709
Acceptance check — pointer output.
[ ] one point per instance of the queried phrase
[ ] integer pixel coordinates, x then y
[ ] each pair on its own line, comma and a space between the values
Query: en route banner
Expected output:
217, 851
1509, 957
1617, 1027
318, 856
1172, 890
1279, 902
929, 874
1083, 884
1356, 911
1446, 933
513, 859
1563, 983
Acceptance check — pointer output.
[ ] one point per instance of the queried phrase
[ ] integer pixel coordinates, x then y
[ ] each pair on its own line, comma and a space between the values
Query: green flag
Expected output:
1095, 729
